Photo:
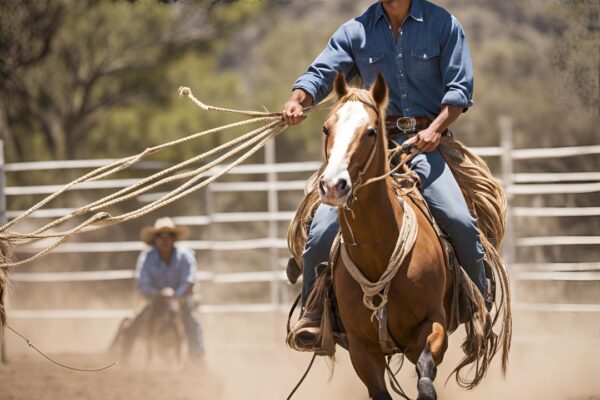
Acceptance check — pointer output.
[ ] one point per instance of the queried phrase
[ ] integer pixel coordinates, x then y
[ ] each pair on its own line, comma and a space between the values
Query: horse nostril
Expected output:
341, 185
322, 186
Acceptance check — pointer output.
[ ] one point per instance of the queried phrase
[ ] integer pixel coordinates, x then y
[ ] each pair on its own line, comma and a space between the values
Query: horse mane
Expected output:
357, 94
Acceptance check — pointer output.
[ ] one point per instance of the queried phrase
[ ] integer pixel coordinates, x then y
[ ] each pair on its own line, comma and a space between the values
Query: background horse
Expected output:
160, 325
420, 294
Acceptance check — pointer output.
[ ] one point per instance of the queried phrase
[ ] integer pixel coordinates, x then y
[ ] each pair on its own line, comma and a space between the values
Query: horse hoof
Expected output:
426, 389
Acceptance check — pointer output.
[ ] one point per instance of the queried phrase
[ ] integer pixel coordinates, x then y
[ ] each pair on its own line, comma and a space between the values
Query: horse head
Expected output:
353, 131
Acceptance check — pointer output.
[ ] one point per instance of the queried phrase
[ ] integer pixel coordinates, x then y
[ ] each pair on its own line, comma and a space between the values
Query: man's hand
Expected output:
167, 292
293, 112
426, 140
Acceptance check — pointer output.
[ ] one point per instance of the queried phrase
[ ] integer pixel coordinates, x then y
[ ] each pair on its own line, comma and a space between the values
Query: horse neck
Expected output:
370, 228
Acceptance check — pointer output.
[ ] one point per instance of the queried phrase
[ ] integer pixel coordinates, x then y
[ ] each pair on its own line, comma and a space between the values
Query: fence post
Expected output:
210, 232
3, 357
506, 142
273, 208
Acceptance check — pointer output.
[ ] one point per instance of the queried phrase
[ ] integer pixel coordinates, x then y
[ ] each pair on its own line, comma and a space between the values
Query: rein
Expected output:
56, 362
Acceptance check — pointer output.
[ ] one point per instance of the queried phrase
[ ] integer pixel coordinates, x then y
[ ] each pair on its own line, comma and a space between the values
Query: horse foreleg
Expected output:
370, 368
432, 341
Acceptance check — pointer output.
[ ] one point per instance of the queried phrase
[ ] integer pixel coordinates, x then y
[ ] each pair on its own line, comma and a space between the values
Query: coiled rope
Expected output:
196, 179
404, 244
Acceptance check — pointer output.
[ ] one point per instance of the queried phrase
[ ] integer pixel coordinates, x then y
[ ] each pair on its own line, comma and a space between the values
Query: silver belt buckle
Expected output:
407, 124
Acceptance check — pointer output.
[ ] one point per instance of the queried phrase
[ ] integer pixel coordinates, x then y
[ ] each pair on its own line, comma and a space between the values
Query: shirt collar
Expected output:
158, 258
416, 11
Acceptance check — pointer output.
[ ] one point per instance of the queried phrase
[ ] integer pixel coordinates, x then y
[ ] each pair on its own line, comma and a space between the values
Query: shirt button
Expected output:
400, 55
407, 109
401, 75
403, 96
401, 31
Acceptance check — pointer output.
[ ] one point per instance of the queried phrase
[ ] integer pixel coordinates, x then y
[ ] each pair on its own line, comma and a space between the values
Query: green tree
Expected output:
92, 58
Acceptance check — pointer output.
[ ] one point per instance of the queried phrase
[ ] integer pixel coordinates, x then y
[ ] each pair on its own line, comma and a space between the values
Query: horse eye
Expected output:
371, 132
325, 131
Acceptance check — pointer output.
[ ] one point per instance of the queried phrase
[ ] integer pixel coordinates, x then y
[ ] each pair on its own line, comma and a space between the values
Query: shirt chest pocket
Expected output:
369, 64
425, 63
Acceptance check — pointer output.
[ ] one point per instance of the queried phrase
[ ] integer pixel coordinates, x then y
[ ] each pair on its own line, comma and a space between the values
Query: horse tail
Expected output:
3, 290
482, 343
487, 201
484, 193
4, 257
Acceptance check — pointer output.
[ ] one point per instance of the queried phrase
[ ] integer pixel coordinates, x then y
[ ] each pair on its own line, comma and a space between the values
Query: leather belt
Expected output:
406, 125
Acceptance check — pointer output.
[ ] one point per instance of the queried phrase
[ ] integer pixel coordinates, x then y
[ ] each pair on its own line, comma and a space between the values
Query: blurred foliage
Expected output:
106, 72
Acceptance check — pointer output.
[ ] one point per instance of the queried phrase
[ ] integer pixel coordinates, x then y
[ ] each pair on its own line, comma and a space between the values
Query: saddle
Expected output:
322, 328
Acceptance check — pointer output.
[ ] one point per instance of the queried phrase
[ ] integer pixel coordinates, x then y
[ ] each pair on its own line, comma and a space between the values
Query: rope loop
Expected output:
197, 178
404, 245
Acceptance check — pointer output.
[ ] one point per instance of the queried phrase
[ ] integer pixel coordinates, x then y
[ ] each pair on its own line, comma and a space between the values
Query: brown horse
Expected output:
160, 325
420, 293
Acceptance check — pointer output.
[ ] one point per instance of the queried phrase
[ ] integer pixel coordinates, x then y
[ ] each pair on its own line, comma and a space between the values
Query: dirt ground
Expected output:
246, 359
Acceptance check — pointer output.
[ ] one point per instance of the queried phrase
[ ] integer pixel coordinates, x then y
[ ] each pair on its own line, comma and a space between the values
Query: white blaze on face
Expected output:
351, 116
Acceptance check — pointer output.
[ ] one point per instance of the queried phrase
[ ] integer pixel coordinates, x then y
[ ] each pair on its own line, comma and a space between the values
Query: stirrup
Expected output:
304, 335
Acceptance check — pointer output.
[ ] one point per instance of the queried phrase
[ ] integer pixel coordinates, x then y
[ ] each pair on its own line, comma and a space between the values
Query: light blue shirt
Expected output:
428, 65
153, 274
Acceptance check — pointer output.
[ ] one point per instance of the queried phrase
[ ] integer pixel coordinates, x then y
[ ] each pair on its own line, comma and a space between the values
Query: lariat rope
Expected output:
404, 244
196, 179
30, 344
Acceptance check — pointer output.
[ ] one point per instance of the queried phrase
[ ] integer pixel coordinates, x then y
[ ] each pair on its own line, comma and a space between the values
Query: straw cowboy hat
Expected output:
162, 225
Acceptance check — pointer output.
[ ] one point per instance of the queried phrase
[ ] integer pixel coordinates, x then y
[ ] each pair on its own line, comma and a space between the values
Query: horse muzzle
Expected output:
335, 192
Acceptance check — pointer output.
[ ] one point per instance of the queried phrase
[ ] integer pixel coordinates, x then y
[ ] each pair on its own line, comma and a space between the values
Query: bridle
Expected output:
408, 149
402, 149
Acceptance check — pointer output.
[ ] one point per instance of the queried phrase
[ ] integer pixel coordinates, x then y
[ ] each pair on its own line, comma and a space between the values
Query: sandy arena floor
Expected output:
247, 359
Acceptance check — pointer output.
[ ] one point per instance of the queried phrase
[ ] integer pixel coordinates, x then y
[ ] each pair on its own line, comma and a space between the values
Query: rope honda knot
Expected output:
187, 92
184, 91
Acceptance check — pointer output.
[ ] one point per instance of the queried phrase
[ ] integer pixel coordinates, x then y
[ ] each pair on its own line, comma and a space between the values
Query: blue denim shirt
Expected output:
427, 66
153, 274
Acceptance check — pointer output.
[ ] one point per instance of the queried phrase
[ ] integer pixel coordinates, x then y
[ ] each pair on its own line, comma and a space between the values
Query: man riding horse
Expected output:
167, 272
422, 52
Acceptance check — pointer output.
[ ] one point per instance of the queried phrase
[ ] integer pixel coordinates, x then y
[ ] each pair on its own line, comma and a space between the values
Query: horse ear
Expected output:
379, 91
340, 85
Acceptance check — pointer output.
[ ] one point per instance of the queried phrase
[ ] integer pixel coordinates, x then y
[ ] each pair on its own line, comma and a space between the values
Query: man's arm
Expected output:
188, 275
143, 278
457, 76
317, 81
456, 66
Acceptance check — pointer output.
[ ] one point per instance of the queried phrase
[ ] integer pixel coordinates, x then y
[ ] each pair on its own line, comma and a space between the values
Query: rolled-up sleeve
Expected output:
188, 273
143, 277
337, 56
456, 66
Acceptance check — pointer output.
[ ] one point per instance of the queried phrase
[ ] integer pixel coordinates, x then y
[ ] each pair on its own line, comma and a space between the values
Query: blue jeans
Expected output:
447, 204
193, 330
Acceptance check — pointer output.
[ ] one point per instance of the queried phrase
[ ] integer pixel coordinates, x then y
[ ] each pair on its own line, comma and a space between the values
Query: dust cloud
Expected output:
247, 359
